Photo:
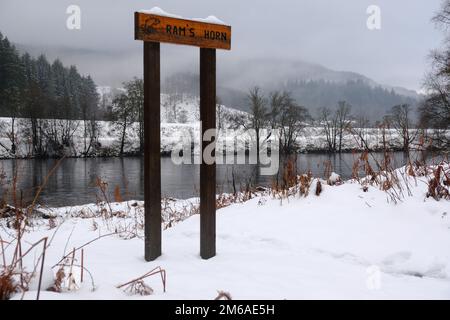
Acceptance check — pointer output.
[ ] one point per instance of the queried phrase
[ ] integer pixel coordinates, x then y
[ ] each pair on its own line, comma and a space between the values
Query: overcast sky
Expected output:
329, 32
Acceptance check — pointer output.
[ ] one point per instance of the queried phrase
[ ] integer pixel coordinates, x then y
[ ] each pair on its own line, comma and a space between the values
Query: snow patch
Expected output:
160, 12
210, 19
334, 178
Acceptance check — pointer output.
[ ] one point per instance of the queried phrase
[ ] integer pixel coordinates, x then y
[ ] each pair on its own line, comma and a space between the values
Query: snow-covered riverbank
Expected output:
173, 135
353, 240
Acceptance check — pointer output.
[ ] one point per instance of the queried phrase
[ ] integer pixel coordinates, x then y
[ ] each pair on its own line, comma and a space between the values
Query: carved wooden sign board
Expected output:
153, 29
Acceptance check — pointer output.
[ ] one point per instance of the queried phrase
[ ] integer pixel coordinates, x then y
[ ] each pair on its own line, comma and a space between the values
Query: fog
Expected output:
327, 32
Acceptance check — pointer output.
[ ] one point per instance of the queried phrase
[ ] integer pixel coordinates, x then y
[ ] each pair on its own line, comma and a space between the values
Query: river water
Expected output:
73, 181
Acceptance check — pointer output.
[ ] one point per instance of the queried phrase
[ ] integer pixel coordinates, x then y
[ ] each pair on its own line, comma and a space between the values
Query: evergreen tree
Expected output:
11, 85
135, 97
88, 101
46, 95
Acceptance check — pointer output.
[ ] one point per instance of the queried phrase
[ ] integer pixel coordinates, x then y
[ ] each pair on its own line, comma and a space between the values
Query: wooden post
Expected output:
152, 159
207, 171
153, 29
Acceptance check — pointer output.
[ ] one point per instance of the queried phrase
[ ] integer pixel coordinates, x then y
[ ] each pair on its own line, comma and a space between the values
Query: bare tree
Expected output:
327, 121
442, 18
334, 124
289, 117
360, 130
343, 121
257, 118
89, 101
124, 115
2, 133
135, 100
400, 119
276, 104
435, 111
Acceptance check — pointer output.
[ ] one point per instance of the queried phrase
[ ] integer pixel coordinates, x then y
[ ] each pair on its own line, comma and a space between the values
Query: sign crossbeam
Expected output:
151, 27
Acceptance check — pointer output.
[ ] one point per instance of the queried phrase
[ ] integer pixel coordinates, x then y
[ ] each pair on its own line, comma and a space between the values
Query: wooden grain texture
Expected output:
152, 159
155, 28
207, 171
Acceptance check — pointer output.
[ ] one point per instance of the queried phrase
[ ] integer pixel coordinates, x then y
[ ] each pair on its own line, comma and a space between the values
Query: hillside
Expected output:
312, 85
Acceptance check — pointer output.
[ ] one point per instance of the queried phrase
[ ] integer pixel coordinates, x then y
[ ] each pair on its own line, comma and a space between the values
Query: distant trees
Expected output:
171, 105
358, 93
35, 89
280, 111
11, 85
435, 111
360, 129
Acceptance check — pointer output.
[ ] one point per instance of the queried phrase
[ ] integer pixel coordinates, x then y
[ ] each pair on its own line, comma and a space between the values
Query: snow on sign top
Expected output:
157, 25
160, 12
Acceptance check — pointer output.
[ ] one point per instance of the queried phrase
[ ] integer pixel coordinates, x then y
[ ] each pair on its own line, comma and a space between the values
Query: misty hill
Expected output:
312, 85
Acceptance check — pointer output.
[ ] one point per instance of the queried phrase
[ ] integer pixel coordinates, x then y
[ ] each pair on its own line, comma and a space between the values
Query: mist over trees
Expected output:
35, 89
56, 91
374, 100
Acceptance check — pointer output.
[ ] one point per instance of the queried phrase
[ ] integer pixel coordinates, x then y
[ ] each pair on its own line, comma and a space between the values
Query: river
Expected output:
73, 181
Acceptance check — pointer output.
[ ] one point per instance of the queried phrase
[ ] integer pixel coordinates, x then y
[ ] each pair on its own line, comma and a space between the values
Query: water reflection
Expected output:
73, 182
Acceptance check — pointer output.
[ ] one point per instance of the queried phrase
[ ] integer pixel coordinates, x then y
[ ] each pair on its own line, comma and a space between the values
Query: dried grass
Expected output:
223, 295
138, 286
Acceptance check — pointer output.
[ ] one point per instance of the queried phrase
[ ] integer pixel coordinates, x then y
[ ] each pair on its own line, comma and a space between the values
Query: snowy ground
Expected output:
343, 244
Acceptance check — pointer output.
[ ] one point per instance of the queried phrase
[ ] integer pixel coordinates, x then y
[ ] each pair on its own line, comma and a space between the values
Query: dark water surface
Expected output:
73, 182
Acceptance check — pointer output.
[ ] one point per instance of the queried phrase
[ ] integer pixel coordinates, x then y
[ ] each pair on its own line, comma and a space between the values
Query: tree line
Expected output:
435, 111
35, 89
279, 110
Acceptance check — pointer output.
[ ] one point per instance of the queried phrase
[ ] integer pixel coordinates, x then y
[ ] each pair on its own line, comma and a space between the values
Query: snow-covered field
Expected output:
347, 243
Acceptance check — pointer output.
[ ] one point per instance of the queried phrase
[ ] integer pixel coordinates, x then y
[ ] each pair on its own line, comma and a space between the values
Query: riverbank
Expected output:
175, 136
379, 237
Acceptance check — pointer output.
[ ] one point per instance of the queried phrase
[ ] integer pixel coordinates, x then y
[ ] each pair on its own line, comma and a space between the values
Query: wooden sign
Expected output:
153, 29
156, 28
